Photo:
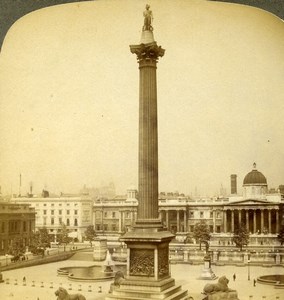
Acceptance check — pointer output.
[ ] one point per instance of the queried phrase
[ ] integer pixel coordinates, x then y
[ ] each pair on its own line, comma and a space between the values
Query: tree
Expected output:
63, 237
40, 241
280, 236
201, 233
90, 234
17, 247
241, 236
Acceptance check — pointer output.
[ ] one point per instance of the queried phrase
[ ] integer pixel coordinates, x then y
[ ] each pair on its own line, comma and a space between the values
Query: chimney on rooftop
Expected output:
233, 184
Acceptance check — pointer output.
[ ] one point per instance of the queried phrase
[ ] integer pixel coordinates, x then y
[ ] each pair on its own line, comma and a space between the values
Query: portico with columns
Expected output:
258, 216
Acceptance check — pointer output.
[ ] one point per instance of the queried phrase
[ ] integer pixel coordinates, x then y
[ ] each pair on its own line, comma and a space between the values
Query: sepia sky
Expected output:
69, 96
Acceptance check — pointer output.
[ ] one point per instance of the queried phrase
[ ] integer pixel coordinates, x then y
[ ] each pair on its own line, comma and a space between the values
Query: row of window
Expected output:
127, 215
52, 212
106, 227
60, 221
114, 214
53, 204
211, 228
201, 214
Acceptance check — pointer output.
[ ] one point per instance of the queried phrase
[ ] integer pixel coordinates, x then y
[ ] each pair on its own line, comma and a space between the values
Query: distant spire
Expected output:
254, 166
20, 184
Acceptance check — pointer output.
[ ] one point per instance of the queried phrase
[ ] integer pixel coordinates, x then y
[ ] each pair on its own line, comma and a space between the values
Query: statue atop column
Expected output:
148, 18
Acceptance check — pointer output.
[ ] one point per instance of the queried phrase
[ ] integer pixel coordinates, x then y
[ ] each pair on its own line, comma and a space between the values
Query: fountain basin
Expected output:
276, 280
90, 273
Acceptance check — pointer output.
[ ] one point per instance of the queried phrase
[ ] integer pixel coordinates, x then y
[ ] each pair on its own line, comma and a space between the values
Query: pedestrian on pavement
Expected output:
234, 277
254, 282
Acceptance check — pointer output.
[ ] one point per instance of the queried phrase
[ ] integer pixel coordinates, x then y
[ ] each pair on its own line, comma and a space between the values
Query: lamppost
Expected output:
7, 259
248, 269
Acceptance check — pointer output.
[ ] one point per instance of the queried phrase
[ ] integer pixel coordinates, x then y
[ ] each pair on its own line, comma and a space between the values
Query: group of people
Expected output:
234, 278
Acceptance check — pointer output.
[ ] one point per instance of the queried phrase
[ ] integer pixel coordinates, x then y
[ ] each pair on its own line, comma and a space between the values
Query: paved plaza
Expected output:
42, 281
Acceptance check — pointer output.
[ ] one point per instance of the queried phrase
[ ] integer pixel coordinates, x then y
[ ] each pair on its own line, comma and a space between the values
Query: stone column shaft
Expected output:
262, 219
277, 221
232, 220
247, 220
148, 53
254, 221
184, 221
120, 221
225, 221
214, 221
269, 221
148, 142
178, 225
102, 220
167, 219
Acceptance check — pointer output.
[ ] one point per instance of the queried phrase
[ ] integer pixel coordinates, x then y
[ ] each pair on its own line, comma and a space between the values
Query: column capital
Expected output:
147, 52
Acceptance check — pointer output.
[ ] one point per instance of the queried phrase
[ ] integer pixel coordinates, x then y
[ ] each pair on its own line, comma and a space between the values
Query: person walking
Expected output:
254, 282
234, 277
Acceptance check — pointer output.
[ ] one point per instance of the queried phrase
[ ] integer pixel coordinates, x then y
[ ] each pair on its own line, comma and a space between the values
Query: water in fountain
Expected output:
101, 271
108, 263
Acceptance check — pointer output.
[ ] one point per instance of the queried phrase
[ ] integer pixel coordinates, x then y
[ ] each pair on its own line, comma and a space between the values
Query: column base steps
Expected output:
146, 290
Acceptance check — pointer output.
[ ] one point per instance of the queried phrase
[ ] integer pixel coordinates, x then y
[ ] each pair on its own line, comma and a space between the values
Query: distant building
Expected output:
260, 210
117, 215
16, 220
104, 191
75, 211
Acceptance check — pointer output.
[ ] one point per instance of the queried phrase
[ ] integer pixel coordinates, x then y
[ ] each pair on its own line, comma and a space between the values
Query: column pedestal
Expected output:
207, 272
148, 275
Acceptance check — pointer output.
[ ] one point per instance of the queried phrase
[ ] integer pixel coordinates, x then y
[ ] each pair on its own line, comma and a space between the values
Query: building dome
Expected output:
255, 177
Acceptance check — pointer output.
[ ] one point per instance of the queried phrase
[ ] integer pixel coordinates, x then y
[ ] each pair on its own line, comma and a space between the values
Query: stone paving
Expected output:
42, 281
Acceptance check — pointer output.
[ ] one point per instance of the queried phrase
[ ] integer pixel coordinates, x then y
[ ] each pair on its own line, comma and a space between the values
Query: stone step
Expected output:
150, 293
156, 286
173, 293
181, 294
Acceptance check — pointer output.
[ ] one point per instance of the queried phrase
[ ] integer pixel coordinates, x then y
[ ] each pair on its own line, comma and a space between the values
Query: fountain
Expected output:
108, 264
98, 272
276, 280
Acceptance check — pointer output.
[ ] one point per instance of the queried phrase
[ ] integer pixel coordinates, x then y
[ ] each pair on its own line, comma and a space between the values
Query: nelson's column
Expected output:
148, 274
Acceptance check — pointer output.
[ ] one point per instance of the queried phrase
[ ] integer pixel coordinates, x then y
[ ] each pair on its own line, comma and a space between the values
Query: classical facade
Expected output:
16, 221
117, 215
75, 211
258, 208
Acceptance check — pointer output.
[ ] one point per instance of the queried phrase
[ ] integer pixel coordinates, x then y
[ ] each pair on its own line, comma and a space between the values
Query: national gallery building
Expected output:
258, 208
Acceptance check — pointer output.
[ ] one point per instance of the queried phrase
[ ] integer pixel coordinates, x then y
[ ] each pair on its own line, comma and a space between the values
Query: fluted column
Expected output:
167, 219
232, 220
247, 219
254, 221
225, 221
147, 55
277, 221
132, 217
240, 217
214, 220
120, 221
262, 219
269, 221
148, 142
178, 225
102, 219
184, 221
